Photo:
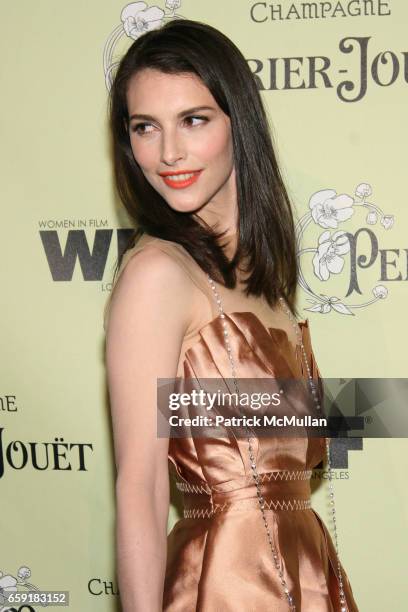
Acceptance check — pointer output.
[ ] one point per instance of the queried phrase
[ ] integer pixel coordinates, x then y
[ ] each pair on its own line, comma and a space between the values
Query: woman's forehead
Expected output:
159, 88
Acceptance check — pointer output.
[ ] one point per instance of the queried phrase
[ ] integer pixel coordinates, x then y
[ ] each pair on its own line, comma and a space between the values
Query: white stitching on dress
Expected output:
293, 504
286, 475
188, 487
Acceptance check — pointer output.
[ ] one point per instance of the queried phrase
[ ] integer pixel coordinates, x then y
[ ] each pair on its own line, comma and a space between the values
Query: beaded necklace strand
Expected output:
261, 500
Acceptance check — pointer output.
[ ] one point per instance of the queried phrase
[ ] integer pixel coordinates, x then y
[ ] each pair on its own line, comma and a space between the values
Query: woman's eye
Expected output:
200, 119
147, 128
140, 128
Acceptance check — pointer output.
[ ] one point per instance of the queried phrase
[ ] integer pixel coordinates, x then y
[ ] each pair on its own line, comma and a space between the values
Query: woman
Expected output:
206, 289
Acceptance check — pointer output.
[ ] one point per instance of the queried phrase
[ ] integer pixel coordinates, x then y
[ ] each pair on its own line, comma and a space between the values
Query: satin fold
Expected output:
219, 559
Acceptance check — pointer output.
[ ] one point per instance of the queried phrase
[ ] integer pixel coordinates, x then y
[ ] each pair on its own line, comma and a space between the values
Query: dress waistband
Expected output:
281, 489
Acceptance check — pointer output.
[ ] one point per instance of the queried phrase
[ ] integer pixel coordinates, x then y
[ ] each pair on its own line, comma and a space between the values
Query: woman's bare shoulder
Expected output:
150, 281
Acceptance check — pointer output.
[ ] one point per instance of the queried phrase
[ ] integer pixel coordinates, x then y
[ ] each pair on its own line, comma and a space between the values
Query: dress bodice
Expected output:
260, 353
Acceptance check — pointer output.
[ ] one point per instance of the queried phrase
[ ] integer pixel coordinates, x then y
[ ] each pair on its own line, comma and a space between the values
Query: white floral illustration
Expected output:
380, 292
8, 584
11, 584
387, 221
329, 209
173, 5
328, 304
24, 573
363, 190
372, 218
137, 18
328, 258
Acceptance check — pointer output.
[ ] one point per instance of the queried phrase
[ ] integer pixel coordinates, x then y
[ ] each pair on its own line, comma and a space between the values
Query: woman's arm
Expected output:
148, 316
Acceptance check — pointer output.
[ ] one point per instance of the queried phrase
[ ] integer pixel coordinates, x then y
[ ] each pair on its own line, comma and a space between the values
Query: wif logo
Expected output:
64, 251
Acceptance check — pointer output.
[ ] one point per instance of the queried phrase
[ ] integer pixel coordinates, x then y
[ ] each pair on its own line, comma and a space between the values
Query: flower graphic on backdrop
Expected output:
380, 292
7, 585
363, 190
11, 584
330, 211
136, 19
372, 218
328, 259
387, 221
173, 5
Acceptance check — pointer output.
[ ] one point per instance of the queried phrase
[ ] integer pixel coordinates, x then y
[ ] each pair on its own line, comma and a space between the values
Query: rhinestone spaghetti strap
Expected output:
256, 477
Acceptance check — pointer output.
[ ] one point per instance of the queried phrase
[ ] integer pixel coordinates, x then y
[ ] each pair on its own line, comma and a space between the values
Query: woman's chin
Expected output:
185, 207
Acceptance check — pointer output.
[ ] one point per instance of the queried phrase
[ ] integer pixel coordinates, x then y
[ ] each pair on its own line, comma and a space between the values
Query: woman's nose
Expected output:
172, 148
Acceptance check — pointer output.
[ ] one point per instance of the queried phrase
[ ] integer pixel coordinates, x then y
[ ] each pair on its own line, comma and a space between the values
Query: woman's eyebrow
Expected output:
183, 113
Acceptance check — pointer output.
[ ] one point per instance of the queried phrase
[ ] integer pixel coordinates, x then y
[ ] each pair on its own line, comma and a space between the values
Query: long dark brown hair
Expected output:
266, 235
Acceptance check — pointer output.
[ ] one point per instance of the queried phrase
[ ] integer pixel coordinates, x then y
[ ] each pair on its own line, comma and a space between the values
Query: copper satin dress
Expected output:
219, 559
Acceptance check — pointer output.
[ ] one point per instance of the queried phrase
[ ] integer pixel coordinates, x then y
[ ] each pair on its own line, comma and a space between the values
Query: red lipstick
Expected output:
190, 177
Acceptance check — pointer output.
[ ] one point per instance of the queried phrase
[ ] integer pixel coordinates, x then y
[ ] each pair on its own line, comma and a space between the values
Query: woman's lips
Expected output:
183, 180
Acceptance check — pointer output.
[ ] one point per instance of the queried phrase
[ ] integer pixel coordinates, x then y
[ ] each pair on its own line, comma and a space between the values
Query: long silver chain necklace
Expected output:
261, 499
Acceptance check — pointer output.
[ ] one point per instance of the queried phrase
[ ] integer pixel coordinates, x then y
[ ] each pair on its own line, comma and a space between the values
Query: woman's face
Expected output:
181, 140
